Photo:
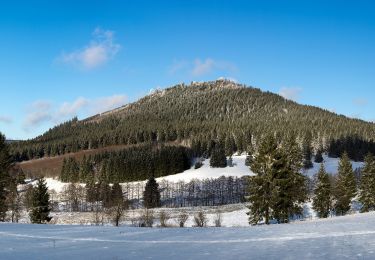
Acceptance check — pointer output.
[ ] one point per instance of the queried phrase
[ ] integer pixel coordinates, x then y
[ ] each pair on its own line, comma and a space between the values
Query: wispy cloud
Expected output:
5, 119
101, 48
290, 93
41, 112
38, 113
360, 102
201, 67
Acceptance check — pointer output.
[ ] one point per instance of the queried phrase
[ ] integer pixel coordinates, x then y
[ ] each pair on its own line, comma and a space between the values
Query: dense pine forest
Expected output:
132, 164
200, 114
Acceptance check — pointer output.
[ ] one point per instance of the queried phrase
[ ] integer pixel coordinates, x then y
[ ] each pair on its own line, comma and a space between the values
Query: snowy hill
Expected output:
350, 237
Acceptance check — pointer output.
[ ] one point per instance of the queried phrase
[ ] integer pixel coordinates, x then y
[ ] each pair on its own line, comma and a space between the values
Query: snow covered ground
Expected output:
239, 169
331, 165
349, 237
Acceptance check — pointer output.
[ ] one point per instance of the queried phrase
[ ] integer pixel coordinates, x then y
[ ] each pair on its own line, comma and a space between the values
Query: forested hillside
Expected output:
232, 114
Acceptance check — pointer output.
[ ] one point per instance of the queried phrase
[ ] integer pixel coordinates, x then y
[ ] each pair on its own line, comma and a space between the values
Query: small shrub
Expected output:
183, 216
200, 219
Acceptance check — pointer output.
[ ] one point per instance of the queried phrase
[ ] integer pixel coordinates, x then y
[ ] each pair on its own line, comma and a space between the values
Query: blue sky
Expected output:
59, 59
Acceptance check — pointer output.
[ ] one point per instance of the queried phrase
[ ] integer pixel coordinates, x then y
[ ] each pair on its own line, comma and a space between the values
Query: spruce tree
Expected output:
151, 195
367, 185
260, 185
218, 158
322, 200
5, 164
282, 190
289, 191
40, 203
345, 188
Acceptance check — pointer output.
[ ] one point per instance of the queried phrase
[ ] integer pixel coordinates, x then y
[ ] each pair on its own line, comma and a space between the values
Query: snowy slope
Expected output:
349, 237
239, 169
331, 165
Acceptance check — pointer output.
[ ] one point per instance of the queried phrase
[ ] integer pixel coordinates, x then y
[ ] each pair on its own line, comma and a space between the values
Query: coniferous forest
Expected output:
201, 113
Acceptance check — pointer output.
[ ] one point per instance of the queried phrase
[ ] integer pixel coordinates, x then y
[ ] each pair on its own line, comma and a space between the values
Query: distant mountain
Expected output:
195, 115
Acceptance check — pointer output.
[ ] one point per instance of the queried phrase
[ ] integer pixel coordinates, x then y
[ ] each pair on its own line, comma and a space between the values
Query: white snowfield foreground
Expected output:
349, 237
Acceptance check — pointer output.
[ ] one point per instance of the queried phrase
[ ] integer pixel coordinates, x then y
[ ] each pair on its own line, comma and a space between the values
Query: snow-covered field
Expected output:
349, 237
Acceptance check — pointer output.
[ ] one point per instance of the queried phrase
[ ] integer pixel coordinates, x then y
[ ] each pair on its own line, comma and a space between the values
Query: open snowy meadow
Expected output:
349, 237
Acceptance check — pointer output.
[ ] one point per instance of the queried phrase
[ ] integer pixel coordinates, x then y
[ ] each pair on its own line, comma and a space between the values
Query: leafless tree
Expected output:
182, 217
146, 218
200, 219
164, 216
117, 211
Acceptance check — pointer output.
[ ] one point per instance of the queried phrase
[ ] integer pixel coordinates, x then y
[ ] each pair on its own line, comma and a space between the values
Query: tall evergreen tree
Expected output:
367, 185
5, 164
278, 188
345, 189
260, 185
322, 201
151, 195
40, 203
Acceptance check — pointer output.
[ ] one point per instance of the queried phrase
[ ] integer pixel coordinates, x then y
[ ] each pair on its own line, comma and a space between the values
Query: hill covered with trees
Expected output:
200, 114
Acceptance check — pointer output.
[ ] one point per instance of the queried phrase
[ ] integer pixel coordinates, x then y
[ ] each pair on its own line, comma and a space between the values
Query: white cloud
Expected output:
209, 65
44, 112
5, 119
101, 49
72, 108
38, 113
290, 93
107, 103
200, 67
360, 102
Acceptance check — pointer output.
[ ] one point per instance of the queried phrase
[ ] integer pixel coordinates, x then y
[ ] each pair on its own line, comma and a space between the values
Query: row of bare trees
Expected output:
209, 192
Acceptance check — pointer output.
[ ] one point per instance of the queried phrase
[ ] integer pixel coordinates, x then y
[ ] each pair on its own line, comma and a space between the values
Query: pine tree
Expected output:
281, 193
345, 189
289, 191
260, 185
322, 200
151, 195
40, 203
218, 158
367, 185
278, 188
5, 164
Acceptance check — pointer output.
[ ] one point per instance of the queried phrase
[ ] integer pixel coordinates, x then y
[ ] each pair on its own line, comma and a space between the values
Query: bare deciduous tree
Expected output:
182, 217
200, 219
164, 216
146, 218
